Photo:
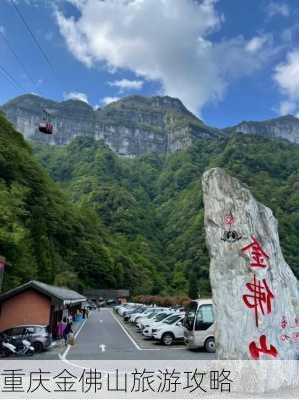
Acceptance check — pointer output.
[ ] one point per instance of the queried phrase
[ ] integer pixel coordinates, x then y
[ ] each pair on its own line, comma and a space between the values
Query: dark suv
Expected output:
39, 335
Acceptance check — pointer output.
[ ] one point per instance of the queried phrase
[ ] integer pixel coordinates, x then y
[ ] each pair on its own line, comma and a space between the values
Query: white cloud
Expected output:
278, 8
162, 40
256, 43
126, 84
75, 96
286, 76
287, 107
108, 100
2, 29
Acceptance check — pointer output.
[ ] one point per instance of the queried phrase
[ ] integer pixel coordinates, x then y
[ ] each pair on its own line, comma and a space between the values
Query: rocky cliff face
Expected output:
132, 126
255, 293
286, 127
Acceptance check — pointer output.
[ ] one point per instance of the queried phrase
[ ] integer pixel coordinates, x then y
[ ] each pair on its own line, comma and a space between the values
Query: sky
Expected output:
227, 60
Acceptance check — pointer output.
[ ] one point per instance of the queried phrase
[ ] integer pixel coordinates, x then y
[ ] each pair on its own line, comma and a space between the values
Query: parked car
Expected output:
147, 330
149, 312
153, 317
127, 313
38, 335
110, 302
124, 308
90, 305
170, 331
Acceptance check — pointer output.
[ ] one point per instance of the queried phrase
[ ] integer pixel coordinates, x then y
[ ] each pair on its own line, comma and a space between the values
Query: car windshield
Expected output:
172, 319
151, 315
135, 310
161, 316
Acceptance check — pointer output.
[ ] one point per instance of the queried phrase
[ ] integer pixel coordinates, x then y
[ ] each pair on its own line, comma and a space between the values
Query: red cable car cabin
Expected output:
46, 127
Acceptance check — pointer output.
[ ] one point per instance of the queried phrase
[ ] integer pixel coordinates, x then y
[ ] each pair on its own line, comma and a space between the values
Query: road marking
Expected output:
102, 347
133, 340
126, 332
63, 355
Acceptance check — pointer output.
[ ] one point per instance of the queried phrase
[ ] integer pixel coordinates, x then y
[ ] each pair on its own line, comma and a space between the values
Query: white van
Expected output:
199, 326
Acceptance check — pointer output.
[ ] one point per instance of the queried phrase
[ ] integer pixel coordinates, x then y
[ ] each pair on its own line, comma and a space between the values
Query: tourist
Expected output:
68, 329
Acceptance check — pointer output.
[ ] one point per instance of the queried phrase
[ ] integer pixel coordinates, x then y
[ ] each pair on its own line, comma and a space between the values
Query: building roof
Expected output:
108, 293
64, 295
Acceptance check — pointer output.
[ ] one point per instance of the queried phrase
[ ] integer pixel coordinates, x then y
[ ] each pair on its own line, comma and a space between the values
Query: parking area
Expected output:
107, 334
147, 343
106, 337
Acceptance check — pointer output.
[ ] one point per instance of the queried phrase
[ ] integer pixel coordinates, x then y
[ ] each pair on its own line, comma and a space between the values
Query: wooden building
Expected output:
36, 303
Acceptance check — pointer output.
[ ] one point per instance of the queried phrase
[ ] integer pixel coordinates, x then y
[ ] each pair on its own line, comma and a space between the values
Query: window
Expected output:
16, 331
172, 320
204, 317
29, 330
190, 315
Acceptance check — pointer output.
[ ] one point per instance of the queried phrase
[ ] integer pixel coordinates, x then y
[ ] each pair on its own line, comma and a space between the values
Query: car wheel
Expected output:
38, 347
210, 345
167, 339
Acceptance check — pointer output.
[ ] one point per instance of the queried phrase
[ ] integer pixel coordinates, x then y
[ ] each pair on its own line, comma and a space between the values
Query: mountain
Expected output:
45, 235
286, 127
95, 219
132, 126
154, 203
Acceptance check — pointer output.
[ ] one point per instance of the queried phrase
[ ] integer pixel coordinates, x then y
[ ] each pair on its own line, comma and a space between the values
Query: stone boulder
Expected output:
255, 292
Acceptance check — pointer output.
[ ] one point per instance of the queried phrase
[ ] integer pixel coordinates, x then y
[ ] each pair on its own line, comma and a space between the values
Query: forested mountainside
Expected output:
45, 236
155, 202
109, 221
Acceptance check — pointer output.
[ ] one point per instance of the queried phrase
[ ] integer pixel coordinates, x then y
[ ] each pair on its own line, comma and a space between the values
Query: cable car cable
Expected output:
17, 57
46, 58
10, 78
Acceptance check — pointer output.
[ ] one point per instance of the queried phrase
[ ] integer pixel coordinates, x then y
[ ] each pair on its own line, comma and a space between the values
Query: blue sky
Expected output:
227, 60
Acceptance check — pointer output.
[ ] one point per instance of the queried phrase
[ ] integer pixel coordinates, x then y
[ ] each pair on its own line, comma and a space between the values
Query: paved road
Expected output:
102, 331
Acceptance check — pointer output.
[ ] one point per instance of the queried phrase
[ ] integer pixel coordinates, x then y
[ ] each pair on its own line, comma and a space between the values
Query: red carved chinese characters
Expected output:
289, 336
261, 296
258, 255
229, 219
284, 338
255, 351
283, 323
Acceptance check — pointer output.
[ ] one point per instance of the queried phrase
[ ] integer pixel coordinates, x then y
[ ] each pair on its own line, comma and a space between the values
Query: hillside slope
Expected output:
155, 202
43, 235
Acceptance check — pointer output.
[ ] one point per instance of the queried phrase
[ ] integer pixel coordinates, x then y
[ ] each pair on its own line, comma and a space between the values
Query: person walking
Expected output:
68, 329
60, 328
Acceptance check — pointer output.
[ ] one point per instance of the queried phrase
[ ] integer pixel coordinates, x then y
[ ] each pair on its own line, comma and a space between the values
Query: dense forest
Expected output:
79, 215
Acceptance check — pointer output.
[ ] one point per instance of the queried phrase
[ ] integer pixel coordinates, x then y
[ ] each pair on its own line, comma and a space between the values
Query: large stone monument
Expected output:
255, 293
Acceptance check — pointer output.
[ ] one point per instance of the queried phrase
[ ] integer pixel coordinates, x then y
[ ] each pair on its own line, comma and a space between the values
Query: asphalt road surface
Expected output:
105, 337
